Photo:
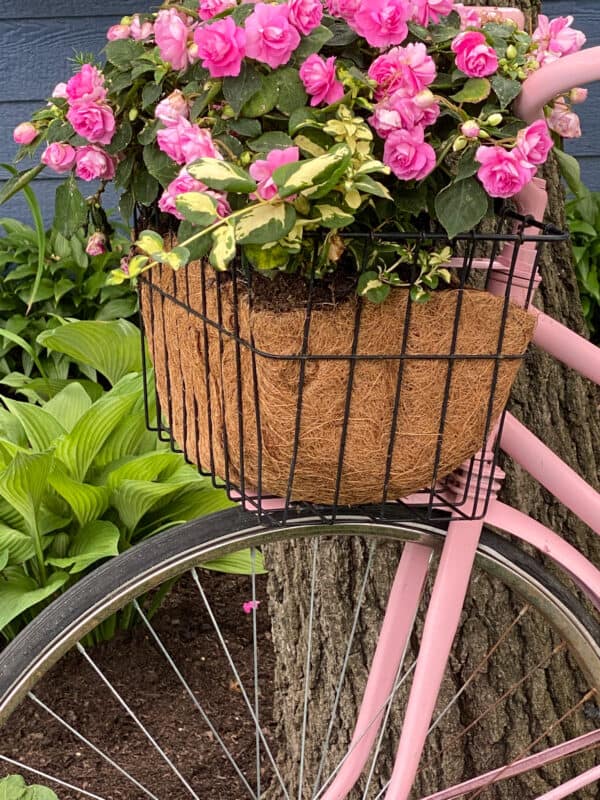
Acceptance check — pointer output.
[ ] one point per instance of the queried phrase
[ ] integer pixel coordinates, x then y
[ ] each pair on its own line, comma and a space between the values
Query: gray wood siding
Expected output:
37, 39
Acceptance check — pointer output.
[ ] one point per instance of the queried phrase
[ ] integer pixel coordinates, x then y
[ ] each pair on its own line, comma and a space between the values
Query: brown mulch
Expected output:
133, 663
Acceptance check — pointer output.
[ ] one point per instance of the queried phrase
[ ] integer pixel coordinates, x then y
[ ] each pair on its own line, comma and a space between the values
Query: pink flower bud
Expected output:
578, 95
565, 122
141, 30
470, 129
60, 91
170, 110
424, 99
118, 32
96, 245
25, 133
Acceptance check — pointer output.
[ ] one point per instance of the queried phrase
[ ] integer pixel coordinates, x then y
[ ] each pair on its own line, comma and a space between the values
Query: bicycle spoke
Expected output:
136, 719
238, 679
89, 744
344, 667
48, 777
193, 697
255, 664
315, 549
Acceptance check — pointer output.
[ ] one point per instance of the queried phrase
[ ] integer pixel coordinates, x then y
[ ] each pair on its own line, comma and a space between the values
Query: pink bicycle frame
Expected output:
462, 538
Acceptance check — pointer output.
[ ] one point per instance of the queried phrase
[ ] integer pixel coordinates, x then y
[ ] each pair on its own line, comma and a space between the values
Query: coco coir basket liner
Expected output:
211, 387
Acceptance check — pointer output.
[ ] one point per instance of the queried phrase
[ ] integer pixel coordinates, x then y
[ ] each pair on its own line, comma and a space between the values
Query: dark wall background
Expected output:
37, 39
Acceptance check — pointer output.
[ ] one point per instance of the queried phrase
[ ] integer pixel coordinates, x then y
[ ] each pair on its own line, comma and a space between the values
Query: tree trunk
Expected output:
562, 409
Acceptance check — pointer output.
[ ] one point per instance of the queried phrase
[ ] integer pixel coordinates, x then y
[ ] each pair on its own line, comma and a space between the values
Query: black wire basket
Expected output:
330, 401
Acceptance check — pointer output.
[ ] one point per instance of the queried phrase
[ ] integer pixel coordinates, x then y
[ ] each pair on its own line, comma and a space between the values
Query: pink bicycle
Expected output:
419, 680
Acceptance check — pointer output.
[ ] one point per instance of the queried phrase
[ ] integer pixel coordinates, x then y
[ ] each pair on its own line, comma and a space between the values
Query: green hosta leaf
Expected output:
223, 249
311, 175
78, 449
262, 224
237, 91
245, 562
506, 89
23, 485
147, 467
40, 427
312, 43
20, 592
461, 205
475, 90
97, 540
198, 208
134, 498
333, 217
70, 208
87, 502
129, 438
17, 546
266, 258
112, 348
4, 556
150, 243
222, 176
271, 141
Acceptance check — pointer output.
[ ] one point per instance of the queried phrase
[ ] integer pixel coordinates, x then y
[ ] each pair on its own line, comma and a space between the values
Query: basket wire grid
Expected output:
470, 495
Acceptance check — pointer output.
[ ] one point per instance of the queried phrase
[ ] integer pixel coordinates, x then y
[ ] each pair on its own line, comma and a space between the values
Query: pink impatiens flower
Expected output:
305, 15
263, 169
24, 133
95, 122
210, 8
382, 22
318, 77
564, 121
172, 33
87, 86
221, 47
59, 156
474, 56
116, 32
427, 11
555, 38
346, 9
409, 68
93, 163
270, 37
401, 111
184, 142
96, 244
173, 108
140, 30
408, 155
183, 183
534, 143
503, 173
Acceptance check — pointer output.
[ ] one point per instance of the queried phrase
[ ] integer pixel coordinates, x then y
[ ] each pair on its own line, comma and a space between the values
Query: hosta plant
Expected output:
82, 480
268, 129
13, 787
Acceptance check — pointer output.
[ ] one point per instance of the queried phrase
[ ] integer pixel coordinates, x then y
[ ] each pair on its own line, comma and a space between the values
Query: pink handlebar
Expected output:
557, 78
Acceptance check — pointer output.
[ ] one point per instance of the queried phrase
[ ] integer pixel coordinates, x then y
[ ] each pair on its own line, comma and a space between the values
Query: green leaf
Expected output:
21, 592
265, 99
266, 258
39, 793
17, 546
292, 94
262, 224
248, 128
274, 140
570, 170
86, 501
123, 52
23, 485
237, 91
70, 208
40, 427
147, 467
134, 498
244, 562
312, 43
150, 94
199, 247
333, 217
176, 258
144, 187
467, 166
150, 243
18, 181
223, 250
475, 90
506, 89
122, 137
370, 286
112, 348
78, 449
12, 787
365, 183
198, 208
311, 175
97, 540
461, 205
222, 175
159, 165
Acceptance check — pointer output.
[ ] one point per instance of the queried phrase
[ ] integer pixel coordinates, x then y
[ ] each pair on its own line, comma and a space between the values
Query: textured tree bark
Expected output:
562, 409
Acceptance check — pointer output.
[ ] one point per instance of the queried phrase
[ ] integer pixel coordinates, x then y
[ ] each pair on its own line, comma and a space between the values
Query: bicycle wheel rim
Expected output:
57, 629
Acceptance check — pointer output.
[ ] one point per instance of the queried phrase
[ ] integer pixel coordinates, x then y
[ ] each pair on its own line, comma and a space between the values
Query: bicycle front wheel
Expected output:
202, 700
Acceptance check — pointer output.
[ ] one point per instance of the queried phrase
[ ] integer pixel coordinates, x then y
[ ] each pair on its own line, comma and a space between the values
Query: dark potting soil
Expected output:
135, 666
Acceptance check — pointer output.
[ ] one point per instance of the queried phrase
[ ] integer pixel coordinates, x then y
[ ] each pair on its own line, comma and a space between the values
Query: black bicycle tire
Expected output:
34, 643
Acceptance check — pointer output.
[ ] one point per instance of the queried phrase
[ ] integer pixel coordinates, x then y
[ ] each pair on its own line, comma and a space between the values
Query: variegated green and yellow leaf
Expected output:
197, 207
333, 217
313, 175
222, 175
265, 223
150, 243
176, 258
223, 249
